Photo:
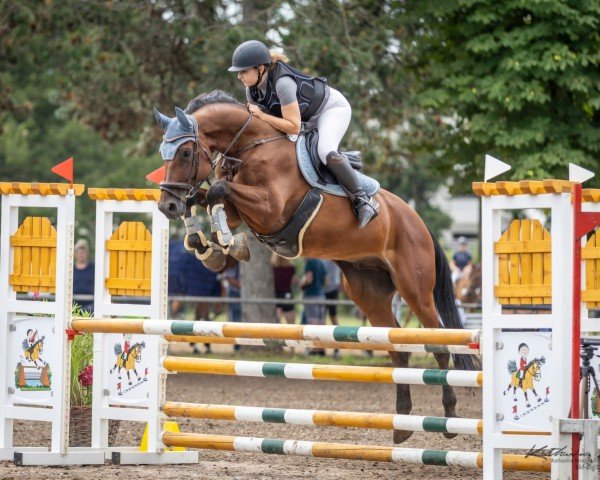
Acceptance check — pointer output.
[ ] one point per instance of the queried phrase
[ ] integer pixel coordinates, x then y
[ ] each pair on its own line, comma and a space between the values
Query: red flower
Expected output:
86, 376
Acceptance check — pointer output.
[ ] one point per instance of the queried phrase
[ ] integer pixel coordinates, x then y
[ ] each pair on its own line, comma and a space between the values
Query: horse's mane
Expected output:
216, 96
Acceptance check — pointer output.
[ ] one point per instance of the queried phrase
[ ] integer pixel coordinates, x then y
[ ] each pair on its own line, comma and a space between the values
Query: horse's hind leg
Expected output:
415, 282
372, 291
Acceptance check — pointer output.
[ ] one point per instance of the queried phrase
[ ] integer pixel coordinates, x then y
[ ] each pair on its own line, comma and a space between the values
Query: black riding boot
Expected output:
365, 208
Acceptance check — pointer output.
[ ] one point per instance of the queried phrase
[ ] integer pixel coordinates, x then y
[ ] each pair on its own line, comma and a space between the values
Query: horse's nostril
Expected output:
172, 207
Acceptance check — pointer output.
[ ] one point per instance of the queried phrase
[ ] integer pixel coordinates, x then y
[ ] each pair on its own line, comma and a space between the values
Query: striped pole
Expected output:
323, 418
322, 333
342, 373
266, 342
351, 452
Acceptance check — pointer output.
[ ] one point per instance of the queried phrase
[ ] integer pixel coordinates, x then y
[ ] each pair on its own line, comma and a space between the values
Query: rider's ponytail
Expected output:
278, 57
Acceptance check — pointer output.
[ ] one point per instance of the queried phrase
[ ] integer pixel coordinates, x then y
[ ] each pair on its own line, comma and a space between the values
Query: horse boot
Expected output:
365, 208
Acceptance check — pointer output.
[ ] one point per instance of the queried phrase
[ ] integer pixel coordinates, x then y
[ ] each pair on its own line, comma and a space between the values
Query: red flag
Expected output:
65, 169
157, 175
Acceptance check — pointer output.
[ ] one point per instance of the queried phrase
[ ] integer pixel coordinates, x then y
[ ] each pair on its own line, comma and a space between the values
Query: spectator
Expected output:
199, 281
177, 259
283, 274
313, 286
233, 288
332, 291
332, 287
461, 263
83, 274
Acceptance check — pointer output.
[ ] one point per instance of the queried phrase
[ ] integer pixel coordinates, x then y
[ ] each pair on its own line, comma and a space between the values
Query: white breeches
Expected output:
333, 123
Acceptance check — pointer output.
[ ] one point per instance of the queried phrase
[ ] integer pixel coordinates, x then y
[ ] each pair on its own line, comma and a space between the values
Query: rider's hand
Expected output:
255, 110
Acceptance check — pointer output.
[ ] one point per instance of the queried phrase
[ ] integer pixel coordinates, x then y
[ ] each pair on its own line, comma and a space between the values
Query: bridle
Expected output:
228, 163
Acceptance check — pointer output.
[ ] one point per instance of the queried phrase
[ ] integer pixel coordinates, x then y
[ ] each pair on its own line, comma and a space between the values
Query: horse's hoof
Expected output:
450, 435
215, 262
240, 250
402, 435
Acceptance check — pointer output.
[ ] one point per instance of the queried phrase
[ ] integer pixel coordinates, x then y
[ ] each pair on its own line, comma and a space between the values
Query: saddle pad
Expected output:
370, 186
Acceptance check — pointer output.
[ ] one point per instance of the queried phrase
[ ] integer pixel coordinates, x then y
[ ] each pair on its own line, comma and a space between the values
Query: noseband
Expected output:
228, 165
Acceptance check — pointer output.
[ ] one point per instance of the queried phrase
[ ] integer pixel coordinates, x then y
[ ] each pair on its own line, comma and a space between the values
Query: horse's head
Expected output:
468, 288
187, 162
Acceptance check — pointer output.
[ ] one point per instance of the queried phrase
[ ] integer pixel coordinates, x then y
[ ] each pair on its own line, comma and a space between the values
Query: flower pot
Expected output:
80, 427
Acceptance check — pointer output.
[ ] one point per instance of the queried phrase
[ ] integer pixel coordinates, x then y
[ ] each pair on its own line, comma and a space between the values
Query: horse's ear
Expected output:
182, 117
162, 120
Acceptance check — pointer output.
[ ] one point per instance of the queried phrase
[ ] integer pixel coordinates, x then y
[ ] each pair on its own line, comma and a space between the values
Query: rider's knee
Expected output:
334, 157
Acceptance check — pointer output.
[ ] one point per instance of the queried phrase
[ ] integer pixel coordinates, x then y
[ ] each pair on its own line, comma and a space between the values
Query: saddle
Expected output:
318, 175
288, 241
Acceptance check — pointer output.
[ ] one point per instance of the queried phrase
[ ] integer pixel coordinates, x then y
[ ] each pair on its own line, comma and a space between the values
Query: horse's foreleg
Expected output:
195, 241
223, 216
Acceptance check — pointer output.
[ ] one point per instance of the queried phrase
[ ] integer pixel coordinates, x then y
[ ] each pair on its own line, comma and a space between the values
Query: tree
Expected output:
519, 80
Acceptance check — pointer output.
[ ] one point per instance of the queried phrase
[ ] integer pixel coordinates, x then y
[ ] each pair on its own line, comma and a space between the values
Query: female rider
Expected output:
285, 97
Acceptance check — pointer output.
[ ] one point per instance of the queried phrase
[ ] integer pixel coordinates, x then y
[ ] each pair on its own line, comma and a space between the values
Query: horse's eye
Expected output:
186, 153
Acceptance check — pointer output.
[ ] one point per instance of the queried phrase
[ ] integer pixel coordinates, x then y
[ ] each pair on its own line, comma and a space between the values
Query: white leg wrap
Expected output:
218, 225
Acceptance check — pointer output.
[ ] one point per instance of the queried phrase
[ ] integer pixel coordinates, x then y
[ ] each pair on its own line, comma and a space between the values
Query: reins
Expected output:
228, 163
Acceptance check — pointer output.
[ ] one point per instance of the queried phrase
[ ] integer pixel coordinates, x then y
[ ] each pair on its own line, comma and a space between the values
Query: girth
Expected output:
288, 241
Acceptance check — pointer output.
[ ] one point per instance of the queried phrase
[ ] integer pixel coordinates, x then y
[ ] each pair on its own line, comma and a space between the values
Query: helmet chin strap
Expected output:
260, 76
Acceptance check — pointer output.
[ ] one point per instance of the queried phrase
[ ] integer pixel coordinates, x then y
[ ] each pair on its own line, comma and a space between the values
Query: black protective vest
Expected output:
310, 93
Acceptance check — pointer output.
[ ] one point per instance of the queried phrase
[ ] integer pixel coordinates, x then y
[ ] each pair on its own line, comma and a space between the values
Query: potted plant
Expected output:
80, 418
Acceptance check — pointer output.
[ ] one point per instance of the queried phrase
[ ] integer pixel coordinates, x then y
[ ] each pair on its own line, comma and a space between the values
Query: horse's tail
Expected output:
445, 303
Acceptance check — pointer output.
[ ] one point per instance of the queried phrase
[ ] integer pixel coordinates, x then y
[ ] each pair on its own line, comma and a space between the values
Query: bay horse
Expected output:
258, 183
468, 287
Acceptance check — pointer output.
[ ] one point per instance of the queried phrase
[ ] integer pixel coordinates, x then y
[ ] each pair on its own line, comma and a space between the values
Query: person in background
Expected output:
333, 277
313, 287
461, 263
233, 289
83, 275
283, 274
201, 282
332, 287
177, 258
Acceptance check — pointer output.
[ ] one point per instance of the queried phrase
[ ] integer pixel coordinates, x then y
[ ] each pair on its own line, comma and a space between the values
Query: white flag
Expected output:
494, 167
578, 174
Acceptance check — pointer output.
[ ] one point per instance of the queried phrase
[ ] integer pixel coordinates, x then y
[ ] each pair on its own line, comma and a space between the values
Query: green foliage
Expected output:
82, 353
519, 80
433, 85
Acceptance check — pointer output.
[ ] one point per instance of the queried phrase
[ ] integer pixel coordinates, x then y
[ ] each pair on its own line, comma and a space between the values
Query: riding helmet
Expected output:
250, 54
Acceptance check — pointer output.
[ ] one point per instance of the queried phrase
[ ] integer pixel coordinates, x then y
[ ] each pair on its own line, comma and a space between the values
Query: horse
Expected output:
531, 375
33, 352
468, 287
257, 182
128, 361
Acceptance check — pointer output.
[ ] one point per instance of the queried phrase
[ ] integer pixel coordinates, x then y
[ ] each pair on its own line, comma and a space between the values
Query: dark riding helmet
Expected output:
250, 54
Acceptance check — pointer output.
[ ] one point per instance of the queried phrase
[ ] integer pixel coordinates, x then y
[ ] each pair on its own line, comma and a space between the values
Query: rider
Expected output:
285, 97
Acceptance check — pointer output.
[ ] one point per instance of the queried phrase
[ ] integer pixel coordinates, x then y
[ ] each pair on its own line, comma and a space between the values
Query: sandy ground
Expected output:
282, 393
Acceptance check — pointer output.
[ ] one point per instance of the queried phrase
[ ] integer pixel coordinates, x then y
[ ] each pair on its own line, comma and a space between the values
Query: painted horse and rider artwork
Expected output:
278, 169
